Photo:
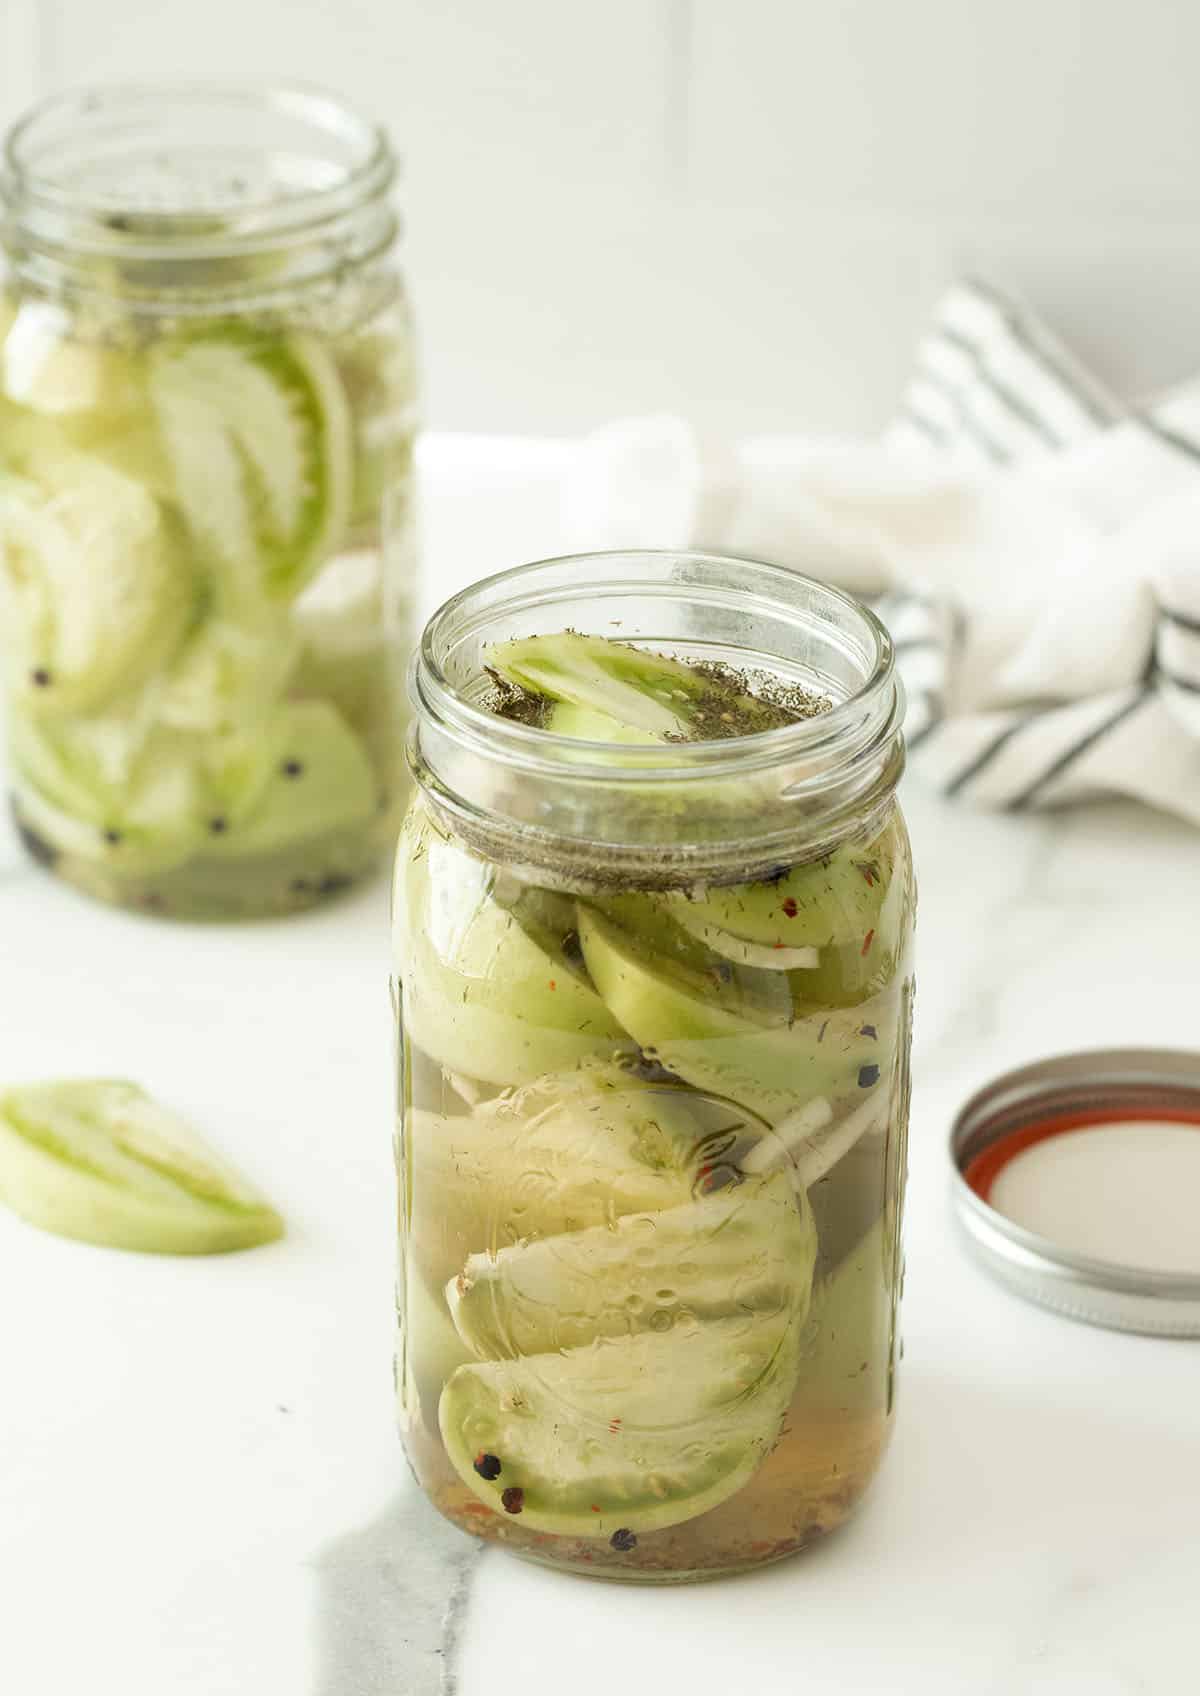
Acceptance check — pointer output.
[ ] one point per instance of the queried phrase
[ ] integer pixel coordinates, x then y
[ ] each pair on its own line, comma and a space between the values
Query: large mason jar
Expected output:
653, 987
206, 384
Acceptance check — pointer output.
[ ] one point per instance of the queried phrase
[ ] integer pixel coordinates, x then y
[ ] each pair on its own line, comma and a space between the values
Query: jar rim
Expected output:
159, 207
431, 689
143, 102
667, 814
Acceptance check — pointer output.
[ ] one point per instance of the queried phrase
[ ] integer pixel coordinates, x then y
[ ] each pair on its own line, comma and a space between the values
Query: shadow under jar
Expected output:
206, 385
654, 1006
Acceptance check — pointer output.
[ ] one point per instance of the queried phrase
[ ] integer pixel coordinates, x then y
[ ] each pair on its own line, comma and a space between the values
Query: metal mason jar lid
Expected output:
1077, 1184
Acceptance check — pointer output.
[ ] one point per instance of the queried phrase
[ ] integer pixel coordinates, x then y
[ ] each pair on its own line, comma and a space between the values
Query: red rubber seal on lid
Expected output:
984, 1168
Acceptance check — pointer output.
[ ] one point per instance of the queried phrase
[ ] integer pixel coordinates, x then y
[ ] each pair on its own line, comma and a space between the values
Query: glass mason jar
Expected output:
206, 384
655, 1013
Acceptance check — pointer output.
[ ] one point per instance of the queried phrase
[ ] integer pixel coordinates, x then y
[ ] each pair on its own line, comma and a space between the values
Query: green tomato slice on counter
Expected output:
486, 995
99, 1160
258, 436
745, 1249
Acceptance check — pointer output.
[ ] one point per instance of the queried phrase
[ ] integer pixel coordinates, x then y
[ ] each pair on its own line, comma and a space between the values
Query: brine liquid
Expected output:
494, 1198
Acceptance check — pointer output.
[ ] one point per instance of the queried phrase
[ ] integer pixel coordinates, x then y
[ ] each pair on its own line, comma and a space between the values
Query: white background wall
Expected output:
741, 208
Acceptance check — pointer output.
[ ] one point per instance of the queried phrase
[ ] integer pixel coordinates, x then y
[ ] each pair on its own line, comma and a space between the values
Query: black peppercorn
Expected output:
487, 1466
623, 1541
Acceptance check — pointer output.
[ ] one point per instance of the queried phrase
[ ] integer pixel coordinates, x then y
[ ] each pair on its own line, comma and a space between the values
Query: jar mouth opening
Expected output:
868, 712
189, 170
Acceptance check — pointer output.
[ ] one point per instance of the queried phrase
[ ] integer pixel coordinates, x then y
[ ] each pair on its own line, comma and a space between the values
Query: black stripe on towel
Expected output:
1183, 620
1077, 749
1020, 409
1050, 356
937, 712
1172, 438
966, 417
988, 752
926, 427
1191, 684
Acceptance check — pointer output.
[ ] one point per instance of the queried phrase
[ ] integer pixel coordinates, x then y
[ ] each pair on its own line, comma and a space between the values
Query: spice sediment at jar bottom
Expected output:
649, 1162
199, 659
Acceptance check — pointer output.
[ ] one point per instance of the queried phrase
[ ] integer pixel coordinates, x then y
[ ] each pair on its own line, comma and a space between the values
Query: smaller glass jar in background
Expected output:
206, 386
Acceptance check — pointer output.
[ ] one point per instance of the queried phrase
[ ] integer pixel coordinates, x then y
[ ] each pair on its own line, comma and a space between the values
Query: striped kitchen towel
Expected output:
1032, 543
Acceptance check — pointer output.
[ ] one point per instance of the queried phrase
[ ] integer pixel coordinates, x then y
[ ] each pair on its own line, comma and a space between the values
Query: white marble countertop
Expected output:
201, 1493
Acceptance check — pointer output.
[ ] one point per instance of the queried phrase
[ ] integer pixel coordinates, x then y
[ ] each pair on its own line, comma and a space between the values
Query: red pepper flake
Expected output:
790, 907
553, 985
614, 1425
870, 871
595, 1509
777, 945
867, 941
513, 1499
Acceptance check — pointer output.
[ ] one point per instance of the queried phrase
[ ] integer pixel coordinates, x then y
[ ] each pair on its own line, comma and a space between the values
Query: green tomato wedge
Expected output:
229, 672
634, 1433
318, 779
832, 902
109, 790
43, 367
741, 1051
485, 996
96, 591
849, 1324
652, 693
99, 1160
571, 1151
430, 1350
258, 435
747, 1248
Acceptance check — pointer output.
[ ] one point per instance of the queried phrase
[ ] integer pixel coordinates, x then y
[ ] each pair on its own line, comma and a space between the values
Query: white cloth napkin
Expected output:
1032, 543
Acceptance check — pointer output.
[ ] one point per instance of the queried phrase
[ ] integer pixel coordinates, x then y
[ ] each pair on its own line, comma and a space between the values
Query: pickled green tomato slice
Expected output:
832, 902
746, 1250
317, 778
652, 693
635, 1433
645, 1361
109, 790
566, 1153
96, 593
229, 671
258, 435
482, 996
849, 1322
767, 1064
99, 1160
430, 1351
45, 368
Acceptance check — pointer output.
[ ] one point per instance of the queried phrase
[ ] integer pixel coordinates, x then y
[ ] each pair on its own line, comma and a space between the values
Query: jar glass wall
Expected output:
654, 1015
206, 386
